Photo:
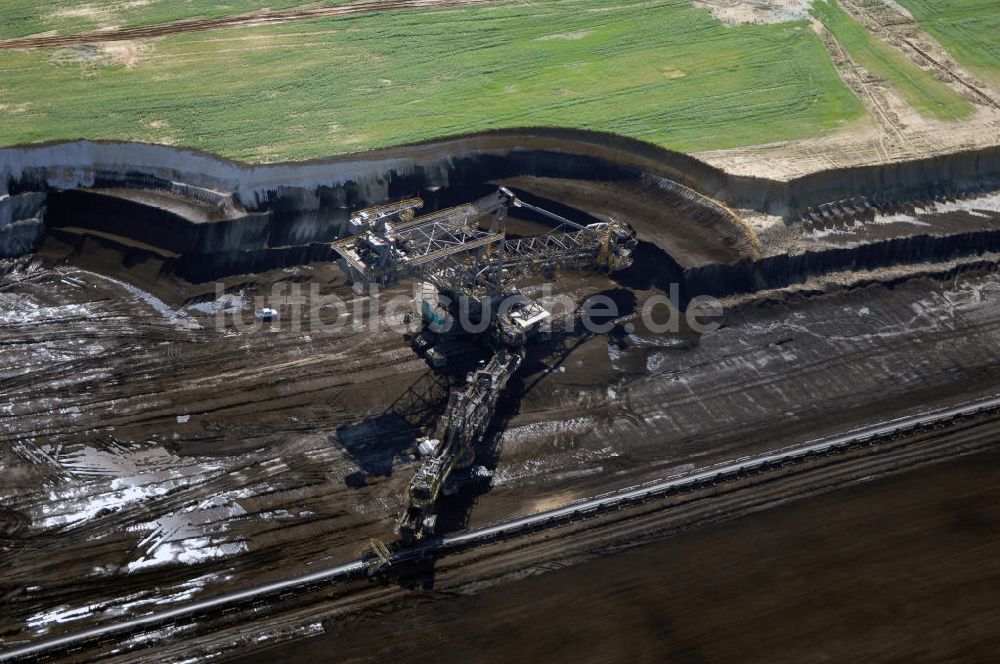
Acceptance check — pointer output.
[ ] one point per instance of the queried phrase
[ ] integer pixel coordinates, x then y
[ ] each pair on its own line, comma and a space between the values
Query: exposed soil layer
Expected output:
688, 227
160, 445
295, 204
157, 454
543, 152
213, 218
902, 570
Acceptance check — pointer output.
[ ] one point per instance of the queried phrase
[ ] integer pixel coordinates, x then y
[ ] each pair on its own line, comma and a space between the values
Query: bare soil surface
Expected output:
905, 569
152, 456
824, 231
740, 12
896, 131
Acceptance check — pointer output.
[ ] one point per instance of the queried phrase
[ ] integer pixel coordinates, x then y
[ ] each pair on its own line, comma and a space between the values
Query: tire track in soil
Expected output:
254, 19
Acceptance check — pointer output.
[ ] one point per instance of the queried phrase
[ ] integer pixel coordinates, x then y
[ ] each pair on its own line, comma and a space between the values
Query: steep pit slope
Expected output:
711, 231
236, 213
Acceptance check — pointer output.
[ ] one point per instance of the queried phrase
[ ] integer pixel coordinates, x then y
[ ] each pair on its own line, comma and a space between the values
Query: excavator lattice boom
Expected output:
465, 258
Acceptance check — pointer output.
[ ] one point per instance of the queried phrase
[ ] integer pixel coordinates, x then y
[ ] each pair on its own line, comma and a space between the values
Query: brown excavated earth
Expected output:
905, 569
158, 452
304, 437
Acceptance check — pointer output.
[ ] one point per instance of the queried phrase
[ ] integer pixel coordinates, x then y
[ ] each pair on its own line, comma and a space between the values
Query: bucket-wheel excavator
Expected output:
469, 267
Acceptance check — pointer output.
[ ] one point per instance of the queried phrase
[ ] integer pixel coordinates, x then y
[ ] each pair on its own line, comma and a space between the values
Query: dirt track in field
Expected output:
895, 131
237, 21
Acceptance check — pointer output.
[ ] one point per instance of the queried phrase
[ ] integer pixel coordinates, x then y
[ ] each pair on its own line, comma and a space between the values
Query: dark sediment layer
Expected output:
210, 217
787, 269
21, 223
152, 223
929, 178
853, 575
199, 268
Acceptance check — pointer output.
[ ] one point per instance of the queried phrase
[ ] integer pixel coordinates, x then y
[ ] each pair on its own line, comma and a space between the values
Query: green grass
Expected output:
667, 73
19, 18
968, 29
918, 88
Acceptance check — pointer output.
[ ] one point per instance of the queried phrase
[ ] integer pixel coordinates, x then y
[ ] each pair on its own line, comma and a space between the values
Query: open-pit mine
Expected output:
242, 416
489, 331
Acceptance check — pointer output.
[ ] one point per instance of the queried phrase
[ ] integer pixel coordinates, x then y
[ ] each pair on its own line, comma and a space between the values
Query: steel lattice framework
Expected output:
457, 250
465, 251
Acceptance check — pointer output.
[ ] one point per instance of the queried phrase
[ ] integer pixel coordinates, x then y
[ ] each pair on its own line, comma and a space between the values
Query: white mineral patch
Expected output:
188, 552
41, 621
158, 634
655, 362
513, 436
139, 475
986, 205
574, 464
16, 309
87, 461
739, 12
276, 514
902, 218
227, 304
127, 605
192, 535
67, 509
179, 318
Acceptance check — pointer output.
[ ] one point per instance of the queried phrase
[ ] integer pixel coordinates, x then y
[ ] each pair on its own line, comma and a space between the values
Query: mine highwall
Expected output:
277, 212
787, 269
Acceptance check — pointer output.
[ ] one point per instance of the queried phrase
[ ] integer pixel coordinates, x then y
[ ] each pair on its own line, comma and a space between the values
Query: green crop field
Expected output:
969, 29
19, 18
666, 72
917, 87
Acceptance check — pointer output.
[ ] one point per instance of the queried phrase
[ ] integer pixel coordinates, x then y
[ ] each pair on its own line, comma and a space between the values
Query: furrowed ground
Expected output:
28, 17
920, 89
969, 29
668, 73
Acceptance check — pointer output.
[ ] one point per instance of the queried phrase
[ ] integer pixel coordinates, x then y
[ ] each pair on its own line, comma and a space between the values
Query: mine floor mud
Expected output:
155, 458
159, 446
899, 570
